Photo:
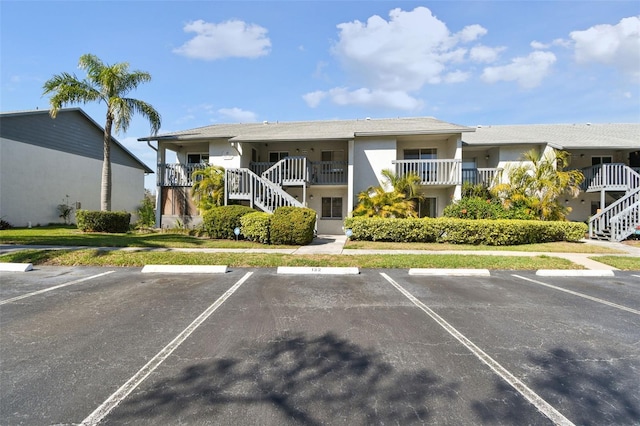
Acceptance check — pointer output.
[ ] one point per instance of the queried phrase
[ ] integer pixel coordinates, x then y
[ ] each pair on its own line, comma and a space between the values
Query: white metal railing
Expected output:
432, 172
328, 172
482, 176
243, 184
620, 213
178, 174
625, 223
614, 176
288, 171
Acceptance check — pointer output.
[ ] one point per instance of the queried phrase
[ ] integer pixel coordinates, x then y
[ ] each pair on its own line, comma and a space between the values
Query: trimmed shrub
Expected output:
293, 225
464, 231
486, 208
219, 222
255, 226
103, 221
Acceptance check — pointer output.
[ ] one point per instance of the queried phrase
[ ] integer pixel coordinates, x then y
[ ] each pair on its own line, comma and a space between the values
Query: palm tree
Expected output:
109, 84
399, 202
208, 187
539, 183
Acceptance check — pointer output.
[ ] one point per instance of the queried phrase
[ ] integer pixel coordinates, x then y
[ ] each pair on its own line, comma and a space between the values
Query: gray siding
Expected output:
70, 132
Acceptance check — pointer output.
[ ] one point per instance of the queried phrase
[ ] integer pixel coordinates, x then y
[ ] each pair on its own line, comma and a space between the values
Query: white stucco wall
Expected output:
370, 157
34, 180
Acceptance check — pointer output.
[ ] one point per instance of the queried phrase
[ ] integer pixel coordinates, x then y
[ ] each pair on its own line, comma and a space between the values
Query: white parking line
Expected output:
543, 406
585, 296
24, 296
118, 396
637, 276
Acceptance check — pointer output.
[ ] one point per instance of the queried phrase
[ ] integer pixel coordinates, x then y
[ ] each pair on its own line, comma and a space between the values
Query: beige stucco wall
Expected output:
34, 180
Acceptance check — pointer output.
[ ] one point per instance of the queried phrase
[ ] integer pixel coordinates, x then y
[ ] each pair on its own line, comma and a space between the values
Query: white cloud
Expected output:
527, 71
617, 45
228, 39
485, 54
238, 115
396, 99
404, 53
313, 99
456, 77
539, 45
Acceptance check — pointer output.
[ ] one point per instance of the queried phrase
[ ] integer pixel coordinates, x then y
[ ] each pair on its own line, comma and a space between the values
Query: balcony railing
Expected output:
611, 177
484, 176
432, 172
320, 172
329, 173
177, 174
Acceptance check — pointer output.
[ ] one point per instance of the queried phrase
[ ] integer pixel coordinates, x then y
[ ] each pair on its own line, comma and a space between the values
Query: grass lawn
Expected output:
625, 263
556, 247
62, 235
96, 257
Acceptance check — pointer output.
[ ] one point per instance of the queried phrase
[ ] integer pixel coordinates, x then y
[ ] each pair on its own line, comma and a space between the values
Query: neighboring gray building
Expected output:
44, 160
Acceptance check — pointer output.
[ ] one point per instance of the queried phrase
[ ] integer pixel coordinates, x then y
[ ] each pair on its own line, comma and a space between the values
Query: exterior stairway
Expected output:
265, 192
621, 218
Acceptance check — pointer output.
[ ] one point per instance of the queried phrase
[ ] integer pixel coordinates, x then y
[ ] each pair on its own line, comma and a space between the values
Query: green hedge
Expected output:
464, 231
486, 208
219, 222
255, 227
103, 221
293, 225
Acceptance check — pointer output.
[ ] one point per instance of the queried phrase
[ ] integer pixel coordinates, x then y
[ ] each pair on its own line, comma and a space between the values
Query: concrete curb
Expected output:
185, 269
15, 267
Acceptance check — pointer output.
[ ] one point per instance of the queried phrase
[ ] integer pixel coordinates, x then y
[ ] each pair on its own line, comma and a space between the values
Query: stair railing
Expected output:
601, 222
288, 171
625, 223
243, 184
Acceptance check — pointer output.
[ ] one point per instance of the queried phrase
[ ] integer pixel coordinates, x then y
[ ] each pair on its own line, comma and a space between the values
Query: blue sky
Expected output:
470, 63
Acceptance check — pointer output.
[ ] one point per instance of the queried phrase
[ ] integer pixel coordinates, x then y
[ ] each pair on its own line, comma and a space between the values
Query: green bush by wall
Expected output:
219, 222
103, 221
256, 226
464, 231
293, 225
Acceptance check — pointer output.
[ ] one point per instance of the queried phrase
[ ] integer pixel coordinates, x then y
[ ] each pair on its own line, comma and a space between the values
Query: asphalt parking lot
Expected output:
251, 346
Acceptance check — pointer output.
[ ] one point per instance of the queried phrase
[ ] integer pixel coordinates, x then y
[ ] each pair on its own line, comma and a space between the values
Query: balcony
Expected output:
177, 174
293, 171
484, 176
432, 172
610, 177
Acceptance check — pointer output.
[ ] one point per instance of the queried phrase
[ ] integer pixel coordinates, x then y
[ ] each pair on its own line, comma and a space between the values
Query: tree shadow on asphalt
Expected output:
306, 380
586, 387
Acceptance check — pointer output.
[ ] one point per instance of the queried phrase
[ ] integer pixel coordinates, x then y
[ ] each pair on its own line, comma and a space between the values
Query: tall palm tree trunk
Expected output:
105, 188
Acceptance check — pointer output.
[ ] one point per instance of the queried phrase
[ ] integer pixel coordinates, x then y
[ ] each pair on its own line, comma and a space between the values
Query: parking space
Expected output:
253, 346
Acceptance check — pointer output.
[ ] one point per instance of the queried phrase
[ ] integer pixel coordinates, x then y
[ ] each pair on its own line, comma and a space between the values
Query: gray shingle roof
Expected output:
316, 130
564, 136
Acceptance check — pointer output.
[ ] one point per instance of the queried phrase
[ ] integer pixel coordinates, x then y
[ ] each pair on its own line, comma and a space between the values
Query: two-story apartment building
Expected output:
325, 164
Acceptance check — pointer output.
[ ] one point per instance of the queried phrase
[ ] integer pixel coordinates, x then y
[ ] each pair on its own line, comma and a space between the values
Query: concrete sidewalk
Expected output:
334, 245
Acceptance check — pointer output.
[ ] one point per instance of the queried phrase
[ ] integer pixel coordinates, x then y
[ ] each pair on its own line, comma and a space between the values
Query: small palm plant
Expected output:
399, 202
208, 187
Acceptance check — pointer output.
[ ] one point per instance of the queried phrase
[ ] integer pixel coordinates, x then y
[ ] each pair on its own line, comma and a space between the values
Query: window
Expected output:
420, 154
197, 158
332, 156
275, 156
331, 208
427, 171
427, 207
605, 159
